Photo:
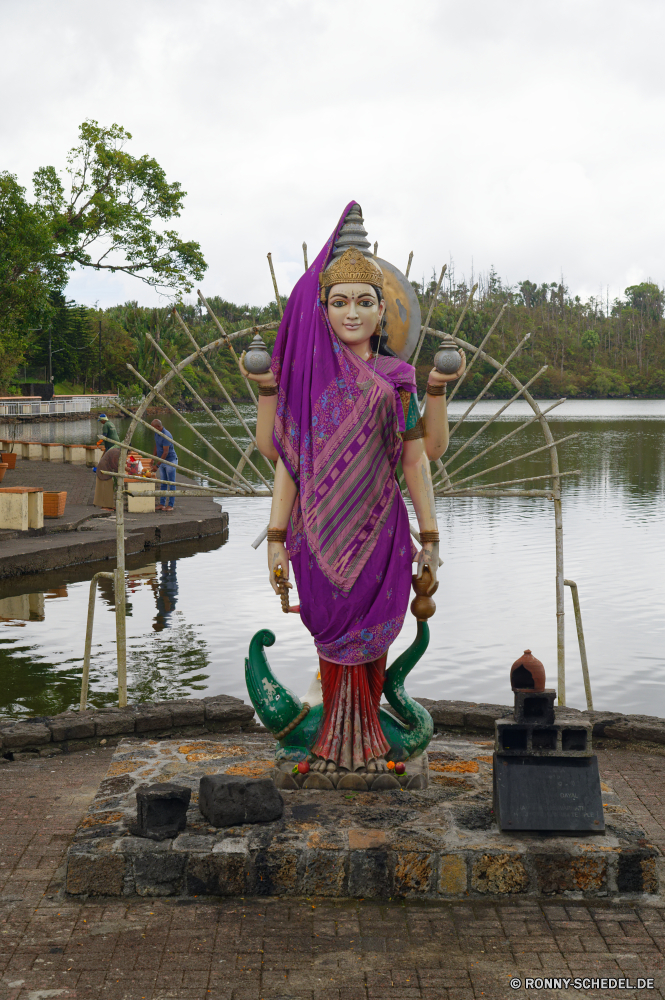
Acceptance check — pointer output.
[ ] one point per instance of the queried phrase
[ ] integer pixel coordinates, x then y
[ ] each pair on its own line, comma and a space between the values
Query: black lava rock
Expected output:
161, 811
227, 800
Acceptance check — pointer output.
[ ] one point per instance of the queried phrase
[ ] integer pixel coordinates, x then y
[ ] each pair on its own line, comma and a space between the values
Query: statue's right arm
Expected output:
283, 499
267, 408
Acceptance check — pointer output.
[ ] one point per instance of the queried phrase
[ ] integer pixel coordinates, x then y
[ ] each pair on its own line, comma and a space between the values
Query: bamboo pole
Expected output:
228, 399
546, 494
489, 384
510, 482
193, 454
210, 414
274, 281
119, 587
215, 490
582, 644
408, 266
173, 465
85, 676
173, 410
516, 458
506, 437
477, 353
228, 339
218, 382
304, 253
495, 416
429, 315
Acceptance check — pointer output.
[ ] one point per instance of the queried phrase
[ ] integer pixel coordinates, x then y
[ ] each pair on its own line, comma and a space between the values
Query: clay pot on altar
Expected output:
8, 458
3, 469
527, 673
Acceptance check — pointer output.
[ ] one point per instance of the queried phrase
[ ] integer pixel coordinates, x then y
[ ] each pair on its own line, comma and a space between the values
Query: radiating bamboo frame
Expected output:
444, 478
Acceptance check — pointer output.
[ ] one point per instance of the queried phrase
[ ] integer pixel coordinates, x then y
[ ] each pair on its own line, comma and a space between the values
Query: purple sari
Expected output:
337, 431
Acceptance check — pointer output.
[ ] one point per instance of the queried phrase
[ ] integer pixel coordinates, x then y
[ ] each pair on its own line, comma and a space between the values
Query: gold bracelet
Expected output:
429, 536
436, 390
276, 534
268, 390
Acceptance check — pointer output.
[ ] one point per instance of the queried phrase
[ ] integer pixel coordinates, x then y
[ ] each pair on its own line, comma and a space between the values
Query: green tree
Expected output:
105, 221
646, 298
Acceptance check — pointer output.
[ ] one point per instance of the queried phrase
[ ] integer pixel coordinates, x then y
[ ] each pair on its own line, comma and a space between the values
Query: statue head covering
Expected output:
337, 423
351, 260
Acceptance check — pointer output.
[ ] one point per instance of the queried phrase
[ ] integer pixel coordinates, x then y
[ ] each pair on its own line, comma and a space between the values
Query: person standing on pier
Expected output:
108, 431
165, 452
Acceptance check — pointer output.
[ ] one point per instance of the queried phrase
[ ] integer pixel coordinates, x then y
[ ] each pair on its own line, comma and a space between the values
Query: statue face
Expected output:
354, 311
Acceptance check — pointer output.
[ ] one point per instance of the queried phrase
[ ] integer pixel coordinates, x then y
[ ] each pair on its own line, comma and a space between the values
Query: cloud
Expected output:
524, 135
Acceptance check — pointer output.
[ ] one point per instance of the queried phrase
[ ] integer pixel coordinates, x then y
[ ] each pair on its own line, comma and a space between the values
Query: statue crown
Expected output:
352, 266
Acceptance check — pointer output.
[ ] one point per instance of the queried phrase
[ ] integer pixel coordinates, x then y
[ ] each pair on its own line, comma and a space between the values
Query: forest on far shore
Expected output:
592, 350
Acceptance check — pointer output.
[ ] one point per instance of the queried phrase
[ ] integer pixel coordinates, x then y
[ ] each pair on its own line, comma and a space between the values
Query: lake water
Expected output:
193, 611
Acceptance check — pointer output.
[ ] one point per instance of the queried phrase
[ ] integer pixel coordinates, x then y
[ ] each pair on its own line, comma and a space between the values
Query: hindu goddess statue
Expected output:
337, 412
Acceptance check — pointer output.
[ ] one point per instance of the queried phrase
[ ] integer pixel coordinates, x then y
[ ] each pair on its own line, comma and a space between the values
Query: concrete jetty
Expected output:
85, 533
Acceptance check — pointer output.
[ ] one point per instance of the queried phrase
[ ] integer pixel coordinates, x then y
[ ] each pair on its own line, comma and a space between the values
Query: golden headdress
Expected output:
351, 257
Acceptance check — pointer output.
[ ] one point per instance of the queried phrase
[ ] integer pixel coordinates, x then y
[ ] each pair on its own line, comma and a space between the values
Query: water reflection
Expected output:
194, 609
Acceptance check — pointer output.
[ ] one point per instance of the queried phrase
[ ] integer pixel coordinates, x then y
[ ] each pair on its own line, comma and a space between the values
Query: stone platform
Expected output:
436, 843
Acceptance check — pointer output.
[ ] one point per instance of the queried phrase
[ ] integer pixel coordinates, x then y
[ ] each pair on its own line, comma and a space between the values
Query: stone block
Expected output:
284, 780
95, 874
648, 731
25, 734
109, 722
619, 731
224, 709
317, 780
150, 717
385, 782
159, 874
600, 720
369, 875
452, 875
186, 712
27, 755
325, 873
495, 874
72, 726
161, 810
558, 873
636, 872
216, 875
449, 713
275, 872
484, 716
414, 873
366, 840
227, 800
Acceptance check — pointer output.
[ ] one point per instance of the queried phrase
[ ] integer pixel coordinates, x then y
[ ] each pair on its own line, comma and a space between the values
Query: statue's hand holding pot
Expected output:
429, 556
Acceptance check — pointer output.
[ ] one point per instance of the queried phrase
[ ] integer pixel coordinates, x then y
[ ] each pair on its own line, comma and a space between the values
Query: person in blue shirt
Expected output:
164, 451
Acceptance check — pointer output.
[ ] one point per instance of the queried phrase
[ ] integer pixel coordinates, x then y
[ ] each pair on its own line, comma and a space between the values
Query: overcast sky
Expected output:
525, 134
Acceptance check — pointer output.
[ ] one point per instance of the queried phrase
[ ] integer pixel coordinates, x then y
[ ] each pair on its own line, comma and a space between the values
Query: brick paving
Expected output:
304, 949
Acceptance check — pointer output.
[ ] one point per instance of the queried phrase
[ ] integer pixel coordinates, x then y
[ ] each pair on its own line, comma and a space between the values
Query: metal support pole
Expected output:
120, 624
580, 639
88, 640
560, 622
100, 357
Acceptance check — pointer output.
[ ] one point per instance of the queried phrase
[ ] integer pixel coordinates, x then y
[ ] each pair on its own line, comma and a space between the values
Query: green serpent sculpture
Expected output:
296, 725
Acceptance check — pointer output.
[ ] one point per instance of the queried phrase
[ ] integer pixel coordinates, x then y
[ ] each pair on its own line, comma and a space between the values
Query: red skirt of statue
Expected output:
350, 732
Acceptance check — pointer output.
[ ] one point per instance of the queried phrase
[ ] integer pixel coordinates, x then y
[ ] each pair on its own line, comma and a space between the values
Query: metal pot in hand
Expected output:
257, 359
447, 359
